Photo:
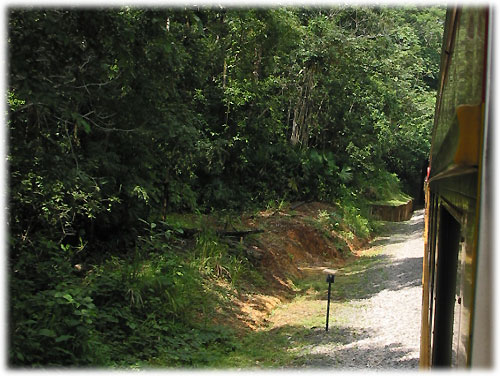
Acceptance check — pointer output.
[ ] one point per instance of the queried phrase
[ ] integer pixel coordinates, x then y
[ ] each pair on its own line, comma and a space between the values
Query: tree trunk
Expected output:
302, 111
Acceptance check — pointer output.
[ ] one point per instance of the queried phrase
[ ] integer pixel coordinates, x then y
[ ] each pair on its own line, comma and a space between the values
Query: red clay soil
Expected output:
293, 242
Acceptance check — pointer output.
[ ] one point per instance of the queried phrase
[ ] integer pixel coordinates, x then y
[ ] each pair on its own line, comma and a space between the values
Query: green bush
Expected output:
52, 318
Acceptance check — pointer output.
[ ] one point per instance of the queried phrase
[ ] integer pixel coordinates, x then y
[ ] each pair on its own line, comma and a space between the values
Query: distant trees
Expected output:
117, 115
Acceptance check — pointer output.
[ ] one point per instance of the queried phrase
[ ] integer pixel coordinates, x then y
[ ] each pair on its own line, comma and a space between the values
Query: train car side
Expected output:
457, 240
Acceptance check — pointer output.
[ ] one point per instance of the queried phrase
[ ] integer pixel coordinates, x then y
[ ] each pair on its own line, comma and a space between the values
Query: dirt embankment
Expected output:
292, 240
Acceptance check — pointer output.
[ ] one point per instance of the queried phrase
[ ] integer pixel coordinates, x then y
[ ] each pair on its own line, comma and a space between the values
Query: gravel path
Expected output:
378, 327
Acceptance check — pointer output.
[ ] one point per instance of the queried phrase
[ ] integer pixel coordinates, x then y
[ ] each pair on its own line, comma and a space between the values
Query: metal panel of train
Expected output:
456, 328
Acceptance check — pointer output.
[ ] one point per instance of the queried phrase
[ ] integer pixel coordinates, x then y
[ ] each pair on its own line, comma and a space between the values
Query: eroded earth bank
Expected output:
374, 311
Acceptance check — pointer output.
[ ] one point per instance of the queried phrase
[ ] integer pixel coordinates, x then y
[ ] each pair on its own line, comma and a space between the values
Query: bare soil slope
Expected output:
293, 242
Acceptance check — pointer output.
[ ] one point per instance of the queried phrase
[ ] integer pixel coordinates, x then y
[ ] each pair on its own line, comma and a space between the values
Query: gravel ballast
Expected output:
381, 328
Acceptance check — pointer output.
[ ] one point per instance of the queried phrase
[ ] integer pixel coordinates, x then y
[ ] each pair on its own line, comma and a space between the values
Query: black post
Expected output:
330, 278
328, 304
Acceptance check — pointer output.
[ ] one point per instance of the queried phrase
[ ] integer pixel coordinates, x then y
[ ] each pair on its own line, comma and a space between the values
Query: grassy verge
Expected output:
299, 324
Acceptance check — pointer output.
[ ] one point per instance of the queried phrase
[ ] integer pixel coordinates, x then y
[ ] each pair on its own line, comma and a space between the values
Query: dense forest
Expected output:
119, 117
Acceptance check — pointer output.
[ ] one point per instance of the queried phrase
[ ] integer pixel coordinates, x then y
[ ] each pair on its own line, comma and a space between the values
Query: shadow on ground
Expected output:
382, 357
366, 277
400, 232
292, 346
373, 272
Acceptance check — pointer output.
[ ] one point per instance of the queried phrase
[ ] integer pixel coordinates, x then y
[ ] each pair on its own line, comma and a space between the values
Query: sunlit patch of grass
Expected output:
395, 199
261, 349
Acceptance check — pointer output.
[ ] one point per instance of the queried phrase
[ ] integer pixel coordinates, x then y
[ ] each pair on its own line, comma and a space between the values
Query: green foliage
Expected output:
52, 319
356, 220
213, 259
119, 117
385, 187
58, 327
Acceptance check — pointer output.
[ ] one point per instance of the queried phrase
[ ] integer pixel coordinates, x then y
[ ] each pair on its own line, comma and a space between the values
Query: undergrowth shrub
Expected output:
52, 318
151, 306
212, 258
383, 186
356, 220
56, 327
